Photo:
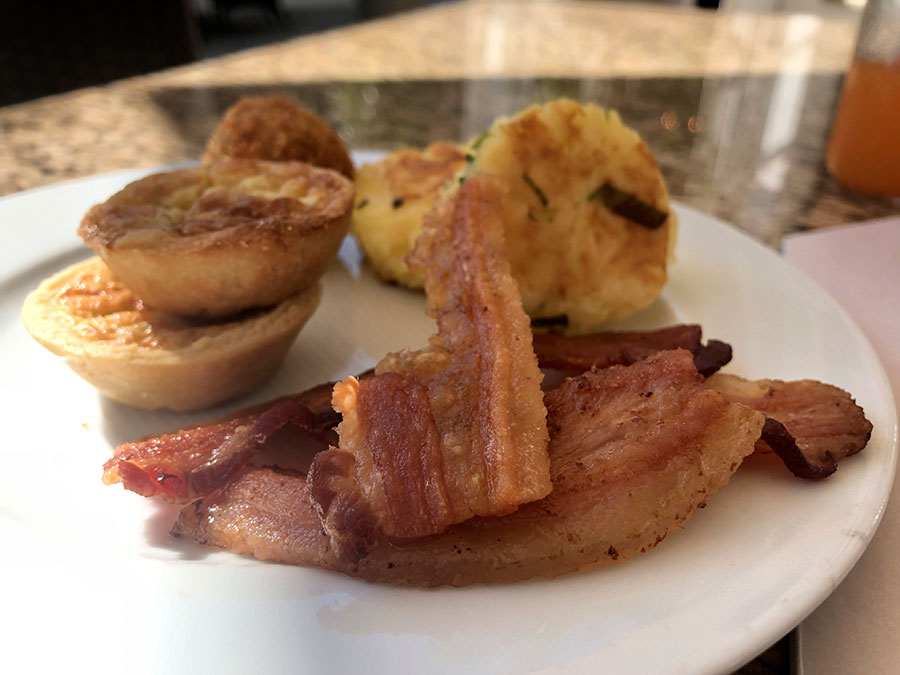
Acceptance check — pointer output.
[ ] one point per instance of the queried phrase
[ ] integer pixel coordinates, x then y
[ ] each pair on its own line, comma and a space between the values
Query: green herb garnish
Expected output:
534, 188
363, 204
478, 141
628, 206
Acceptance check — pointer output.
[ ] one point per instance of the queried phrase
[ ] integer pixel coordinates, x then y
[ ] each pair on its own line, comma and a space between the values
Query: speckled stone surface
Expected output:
736, 107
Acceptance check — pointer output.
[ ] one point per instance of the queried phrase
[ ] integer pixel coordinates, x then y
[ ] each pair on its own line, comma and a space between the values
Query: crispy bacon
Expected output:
611, 348
634, 452
150, 465
389, 431
711, 357
468, 423
811, 426
193, 463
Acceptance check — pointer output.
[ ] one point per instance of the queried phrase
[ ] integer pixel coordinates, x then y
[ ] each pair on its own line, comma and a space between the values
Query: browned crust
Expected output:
412, 174
217, 240
277, 128
150, 359
220, 210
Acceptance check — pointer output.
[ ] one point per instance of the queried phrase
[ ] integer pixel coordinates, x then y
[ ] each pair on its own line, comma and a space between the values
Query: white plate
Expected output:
91, 577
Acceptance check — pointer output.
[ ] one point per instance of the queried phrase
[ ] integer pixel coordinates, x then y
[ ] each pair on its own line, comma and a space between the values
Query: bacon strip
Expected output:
388, 429
811, 426
711, 357
622, 348
264, 512
471, 401
611, 348
149, 465
153, 467
634, 452
193, 463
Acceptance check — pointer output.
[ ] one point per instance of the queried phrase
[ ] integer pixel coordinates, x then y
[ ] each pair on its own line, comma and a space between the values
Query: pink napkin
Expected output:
857, 629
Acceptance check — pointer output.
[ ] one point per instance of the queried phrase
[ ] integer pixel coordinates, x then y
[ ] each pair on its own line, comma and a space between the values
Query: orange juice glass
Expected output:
864, 150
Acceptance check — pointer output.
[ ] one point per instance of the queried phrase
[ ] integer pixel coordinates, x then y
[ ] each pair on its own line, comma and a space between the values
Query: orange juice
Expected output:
864, 151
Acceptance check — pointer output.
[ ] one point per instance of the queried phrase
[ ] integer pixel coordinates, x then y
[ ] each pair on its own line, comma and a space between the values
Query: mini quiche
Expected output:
587, 218
392, 197
220, 239
151, 359
277, 128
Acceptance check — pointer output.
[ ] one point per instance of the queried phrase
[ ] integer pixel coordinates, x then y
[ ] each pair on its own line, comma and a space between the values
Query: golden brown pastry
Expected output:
278, 129
217, 240
151, 359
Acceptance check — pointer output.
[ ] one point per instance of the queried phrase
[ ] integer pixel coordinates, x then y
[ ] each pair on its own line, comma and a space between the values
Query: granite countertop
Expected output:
735, 106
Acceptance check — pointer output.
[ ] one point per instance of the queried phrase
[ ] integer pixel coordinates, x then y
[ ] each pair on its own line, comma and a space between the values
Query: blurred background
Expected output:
49, 47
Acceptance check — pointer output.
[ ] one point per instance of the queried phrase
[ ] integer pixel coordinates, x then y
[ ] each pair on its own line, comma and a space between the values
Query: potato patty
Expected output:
392, 196
587, 218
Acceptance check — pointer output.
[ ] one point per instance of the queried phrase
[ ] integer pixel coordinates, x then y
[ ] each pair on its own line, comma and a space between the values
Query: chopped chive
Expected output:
628, 206
363, 204
478, 141
549, 321
540, 194
470, 157
462, 179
